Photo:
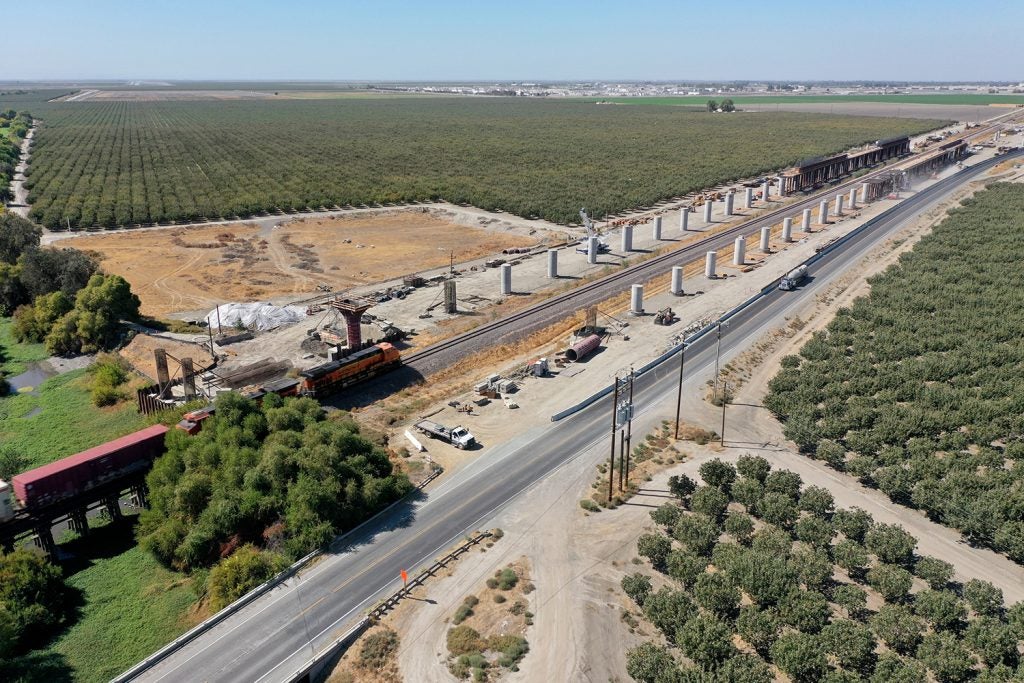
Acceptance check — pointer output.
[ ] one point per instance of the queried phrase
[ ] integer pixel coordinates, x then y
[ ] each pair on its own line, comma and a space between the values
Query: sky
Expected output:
947, 40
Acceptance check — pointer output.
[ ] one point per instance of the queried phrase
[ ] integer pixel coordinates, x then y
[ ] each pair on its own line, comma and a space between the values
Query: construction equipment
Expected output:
793, 278
665, 317
588, 225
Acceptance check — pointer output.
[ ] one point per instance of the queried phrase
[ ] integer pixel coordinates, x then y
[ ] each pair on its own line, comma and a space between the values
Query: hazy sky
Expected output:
515, 39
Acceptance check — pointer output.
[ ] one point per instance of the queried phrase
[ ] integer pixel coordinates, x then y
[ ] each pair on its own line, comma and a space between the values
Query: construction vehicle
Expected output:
665, 317
588, 225
793, 278
459, 436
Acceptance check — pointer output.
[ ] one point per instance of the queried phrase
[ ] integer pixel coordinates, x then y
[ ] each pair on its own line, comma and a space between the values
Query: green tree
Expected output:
706, 640
648, 663
898, 627
697, 532
891, 668
851, 598
948, 660
712, 105
818, 501
760, 628
744, 668
685, 566
853, 644
800, 656
784, 481
33, 595
728, 105
717, 473
748, 492
655, 548
891, 543
851, 556
666, 515
717, 594
992, 640
853, 523
235, 576
637, 587
892, 583
813, 566
668, 610
12, 292
753, 467
709, 501
942, 608
983, 597
681, 487
772, 539
739, 526
814, 531
777, 508
16, 236
48, 270
935, 572
804, 610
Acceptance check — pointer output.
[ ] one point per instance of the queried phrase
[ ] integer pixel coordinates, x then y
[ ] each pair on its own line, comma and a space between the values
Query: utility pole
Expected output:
718, 356
611, 459
679, 395
725, 393
629, 424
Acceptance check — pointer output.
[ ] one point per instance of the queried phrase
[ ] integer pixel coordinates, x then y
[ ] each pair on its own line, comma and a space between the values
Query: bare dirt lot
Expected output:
193, 268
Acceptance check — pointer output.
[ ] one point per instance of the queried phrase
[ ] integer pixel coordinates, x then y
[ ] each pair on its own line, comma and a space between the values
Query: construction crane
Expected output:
588, 225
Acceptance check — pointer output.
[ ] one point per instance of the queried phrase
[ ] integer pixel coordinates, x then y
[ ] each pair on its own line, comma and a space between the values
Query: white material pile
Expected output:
258, 316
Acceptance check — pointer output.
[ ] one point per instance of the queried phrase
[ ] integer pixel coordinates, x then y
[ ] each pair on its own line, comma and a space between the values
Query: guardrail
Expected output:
187, 637
593, 398
305, 672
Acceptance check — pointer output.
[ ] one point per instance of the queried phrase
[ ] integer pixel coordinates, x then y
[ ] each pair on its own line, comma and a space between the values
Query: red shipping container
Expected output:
82, 471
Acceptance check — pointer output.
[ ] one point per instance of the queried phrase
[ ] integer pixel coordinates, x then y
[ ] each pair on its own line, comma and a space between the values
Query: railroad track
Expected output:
521, 324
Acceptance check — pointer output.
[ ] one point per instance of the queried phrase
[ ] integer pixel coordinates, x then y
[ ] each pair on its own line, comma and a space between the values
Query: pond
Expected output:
28, 381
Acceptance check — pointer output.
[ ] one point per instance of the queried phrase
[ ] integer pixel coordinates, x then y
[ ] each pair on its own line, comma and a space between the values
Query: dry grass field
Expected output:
187, 269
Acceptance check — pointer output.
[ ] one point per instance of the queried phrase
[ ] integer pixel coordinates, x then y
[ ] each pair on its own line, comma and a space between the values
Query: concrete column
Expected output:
552, 263
728, 203
853, 199
839, 205
765, 191
709, 264
506, 278
707, 211
823, 212
787, 230
766, 238
748, 198
739, 251
677, 280
627, 238
636, 300
864, 192
656, 230
782, 186
592, 249
684, 219
805, 225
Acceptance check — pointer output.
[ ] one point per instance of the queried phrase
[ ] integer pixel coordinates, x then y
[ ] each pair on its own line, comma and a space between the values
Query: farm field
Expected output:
754, 574
123, 163
958, 99
915, 389
187, 269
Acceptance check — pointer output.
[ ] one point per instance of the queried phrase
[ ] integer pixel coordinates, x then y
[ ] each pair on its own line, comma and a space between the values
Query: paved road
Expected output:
273, 636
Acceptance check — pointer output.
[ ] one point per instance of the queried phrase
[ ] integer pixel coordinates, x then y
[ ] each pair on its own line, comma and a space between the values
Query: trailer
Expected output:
793, 278
458, 436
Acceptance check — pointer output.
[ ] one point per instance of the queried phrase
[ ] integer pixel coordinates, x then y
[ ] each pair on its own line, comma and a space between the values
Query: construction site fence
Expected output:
309, 670
187, 637
767, 289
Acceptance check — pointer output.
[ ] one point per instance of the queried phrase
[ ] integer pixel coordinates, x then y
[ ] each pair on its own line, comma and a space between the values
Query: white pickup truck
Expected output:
459, 436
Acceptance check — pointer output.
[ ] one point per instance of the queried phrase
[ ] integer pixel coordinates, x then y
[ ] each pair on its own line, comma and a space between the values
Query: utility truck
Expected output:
459, 436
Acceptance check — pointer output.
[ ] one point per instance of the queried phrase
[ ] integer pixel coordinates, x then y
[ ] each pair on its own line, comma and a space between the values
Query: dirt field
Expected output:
196, 268
954, 112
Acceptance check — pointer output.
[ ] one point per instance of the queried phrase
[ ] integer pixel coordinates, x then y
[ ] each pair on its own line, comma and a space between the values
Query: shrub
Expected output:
235, 576
589, 505
377, 647
507, 579
637, 587
463, 640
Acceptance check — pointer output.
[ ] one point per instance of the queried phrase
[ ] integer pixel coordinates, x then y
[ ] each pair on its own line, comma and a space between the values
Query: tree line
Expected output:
14, 127
754, 567
915, 388
124, 163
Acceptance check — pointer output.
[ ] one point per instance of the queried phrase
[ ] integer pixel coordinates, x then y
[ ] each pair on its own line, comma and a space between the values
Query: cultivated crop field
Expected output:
958, 99
916, 388
122, 163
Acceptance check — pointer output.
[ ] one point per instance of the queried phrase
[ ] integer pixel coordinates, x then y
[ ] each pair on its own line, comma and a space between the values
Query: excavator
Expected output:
588, 225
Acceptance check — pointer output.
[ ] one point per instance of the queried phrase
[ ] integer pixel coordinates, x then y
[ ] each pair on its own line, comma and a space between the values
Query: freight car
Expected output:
79, 473
328, 378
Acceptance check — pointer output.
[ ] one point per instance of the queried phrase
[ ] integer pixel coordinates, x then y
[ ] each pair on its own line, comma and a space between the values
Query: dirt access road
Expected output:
19, 204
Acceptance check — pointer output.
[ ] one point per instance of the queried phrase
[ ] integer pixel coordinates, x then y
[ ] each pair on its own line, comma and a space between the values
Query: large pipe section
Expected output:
583, 347
684, 219
739, 251
805, 224
677, 280
766, 238
709, 264
823, 212
592, 249
627, 238
506, 279
787, 230
656, 229
552, 263
636, 300
707, 211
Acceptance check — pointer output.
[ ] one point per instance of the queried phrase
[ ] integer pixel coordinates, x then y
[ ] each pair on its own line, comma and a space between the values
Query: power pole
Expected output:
611, 459
629, 424
718, 355
725, 393
679, 395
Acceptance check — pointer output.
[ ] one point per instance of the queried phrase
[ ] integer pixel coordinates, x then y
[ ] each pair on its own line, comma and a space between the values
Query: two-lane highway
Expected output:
276, 634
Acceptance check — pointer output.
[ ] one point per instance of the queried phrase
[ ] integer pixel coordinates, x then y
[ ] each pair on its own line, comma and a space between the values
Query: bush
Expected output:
463, 640
106, 396
507, 579
235, 576
637, 587
377, 647
589, 505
